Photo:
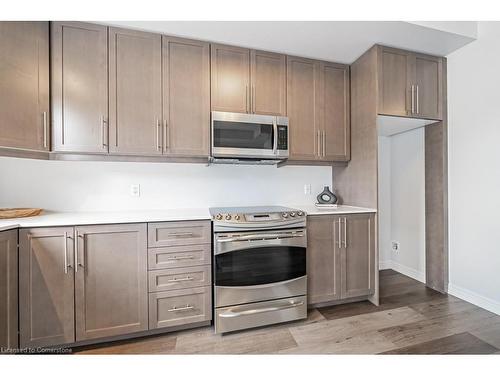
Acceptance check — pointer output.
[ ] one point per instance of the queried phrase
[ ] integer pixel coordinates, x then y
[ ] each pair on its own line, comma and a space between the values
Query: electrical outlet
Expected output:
307, 189
135, 190
395, 245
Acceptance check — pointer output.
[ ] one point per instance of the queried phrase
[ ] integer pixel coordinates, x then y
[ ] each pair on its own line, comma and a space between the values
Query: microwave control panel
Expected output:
282, 137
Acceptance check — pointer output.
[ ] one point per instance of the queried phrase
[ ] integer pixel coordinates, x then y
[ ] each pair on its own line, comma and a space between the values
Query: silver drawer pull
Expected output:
174, 280
181, 257
181, 234
184, 308
234, 314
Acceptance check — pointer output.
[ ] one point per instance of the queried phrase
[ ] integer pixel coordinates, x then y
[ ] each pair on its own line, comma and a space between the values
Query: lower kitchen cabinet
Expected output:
8, 289
46, 287
358, 256
110, 280
323, 260
340, 257
179, 307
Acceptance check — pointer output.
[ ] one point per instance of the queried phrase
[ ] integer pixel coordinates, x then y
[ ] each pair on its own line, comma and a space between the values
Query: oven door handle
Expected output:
235, 314
260, 237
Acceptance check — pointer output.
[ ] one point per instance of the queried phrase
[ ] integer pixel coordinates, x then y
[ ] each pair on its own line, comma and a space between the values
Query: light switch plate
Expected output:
307, 189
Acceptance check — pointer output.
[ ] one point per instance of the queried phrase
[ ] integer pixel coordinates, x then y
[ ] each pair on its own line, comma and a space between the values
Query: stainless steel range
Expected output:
259, 266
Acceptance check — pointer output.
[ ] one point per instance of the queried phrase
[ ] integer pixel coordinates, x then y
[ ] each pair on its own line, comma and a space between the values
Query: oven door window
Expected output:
243, 135
257, 266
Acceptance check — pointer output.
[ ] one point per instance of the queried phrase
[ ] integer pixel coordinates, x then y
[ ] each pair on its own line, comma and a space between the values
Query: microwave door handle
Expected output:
275, 136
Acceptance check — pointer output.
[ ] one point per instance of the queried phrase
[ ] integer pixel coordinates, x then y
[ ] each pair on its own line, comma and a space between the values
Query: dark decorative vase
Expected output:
327, 197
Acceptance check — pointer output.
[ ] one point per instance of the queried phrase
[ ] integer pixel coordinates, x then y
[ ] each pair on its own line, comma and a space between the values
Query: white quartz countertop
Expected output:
340, 210
50, 219
53, 219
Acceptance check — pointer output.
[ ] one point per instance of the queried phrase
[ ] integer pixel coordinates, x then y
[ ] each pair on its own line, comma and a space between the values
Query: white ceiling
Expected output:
339, 41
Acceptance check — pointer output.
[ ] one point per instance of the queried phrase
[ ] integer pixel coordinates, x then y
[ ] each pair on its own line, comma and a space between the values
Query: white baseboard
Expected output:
385, 265
474, 298
408, 271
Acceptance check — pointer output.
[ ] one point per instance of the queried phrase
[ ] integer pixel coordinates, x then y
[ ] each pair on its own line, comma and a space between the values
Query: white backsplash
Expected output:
106, 186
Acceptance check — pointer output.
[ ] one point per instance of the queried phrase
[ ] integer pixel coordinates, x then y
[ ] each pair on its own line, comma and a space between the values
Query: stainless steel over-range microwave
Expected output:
249, 136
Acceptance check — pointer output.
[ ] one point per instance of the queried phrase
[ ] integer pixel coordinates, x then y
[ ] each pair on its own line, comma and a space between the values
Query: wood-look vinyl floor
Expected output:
411, 319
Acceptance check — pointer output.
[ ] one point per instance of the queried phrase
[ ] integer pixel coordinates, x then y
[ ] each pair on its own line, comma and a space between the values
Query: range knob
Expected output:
292, 214
284, 215
228, 217
236, 217
300, 213
218, 217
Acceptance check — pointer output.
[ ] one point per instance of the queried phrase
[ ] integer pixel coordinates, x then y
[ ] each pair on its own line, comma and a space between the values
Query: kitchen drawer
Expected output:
178, 307
179, 256
179, 278
179, 233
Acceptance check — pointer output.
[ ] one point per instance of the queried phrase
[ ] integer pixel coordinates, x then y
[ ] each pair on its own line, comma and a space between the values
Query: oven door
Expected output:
259, 266
240, 135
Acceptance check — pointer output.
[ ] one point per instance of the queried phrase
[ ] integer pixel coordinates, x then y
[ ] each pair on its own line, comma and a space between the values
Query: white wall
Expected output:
474, 169
402, 202
384, 202
95, 186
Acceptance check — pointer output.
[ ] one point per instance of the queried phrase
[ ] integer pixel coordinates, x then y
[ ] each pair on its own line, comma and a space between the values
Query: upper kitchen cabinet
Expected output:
230, 82
79, 54
24, 85
268, 83
248, 81
428, 73
135, 92
303, 109
318, 110
186, 97
410, 84
335, 112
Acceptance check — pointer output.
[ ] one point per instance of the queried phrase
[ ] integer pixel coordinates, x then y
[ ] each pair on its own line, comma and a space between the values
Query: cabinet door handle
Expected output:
246, 99
340, 233
412, 99
253, 99
158, 143
324, 144
174, 280
77, 262
184, 308
338, 242
166, 130
44, 129
345, 232
184, 257
416, 99
65, 252
104, 132
319, 143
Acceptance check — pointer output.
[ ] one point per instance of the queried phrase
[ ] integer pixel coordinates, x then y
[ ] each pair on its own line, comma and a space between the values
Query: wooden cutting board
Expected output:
12, 213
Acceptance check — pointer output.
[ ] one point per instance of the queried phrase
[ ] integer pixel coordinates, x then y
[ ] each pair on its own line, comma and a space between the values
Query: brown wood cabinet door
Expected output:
79, 54
186, 97
8, 289
268, 86
394, 82
135, 93
336, 141
323, 259
24, 85
230, 78
46, 287
358, 255
302, 109
111, 292
428, 72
